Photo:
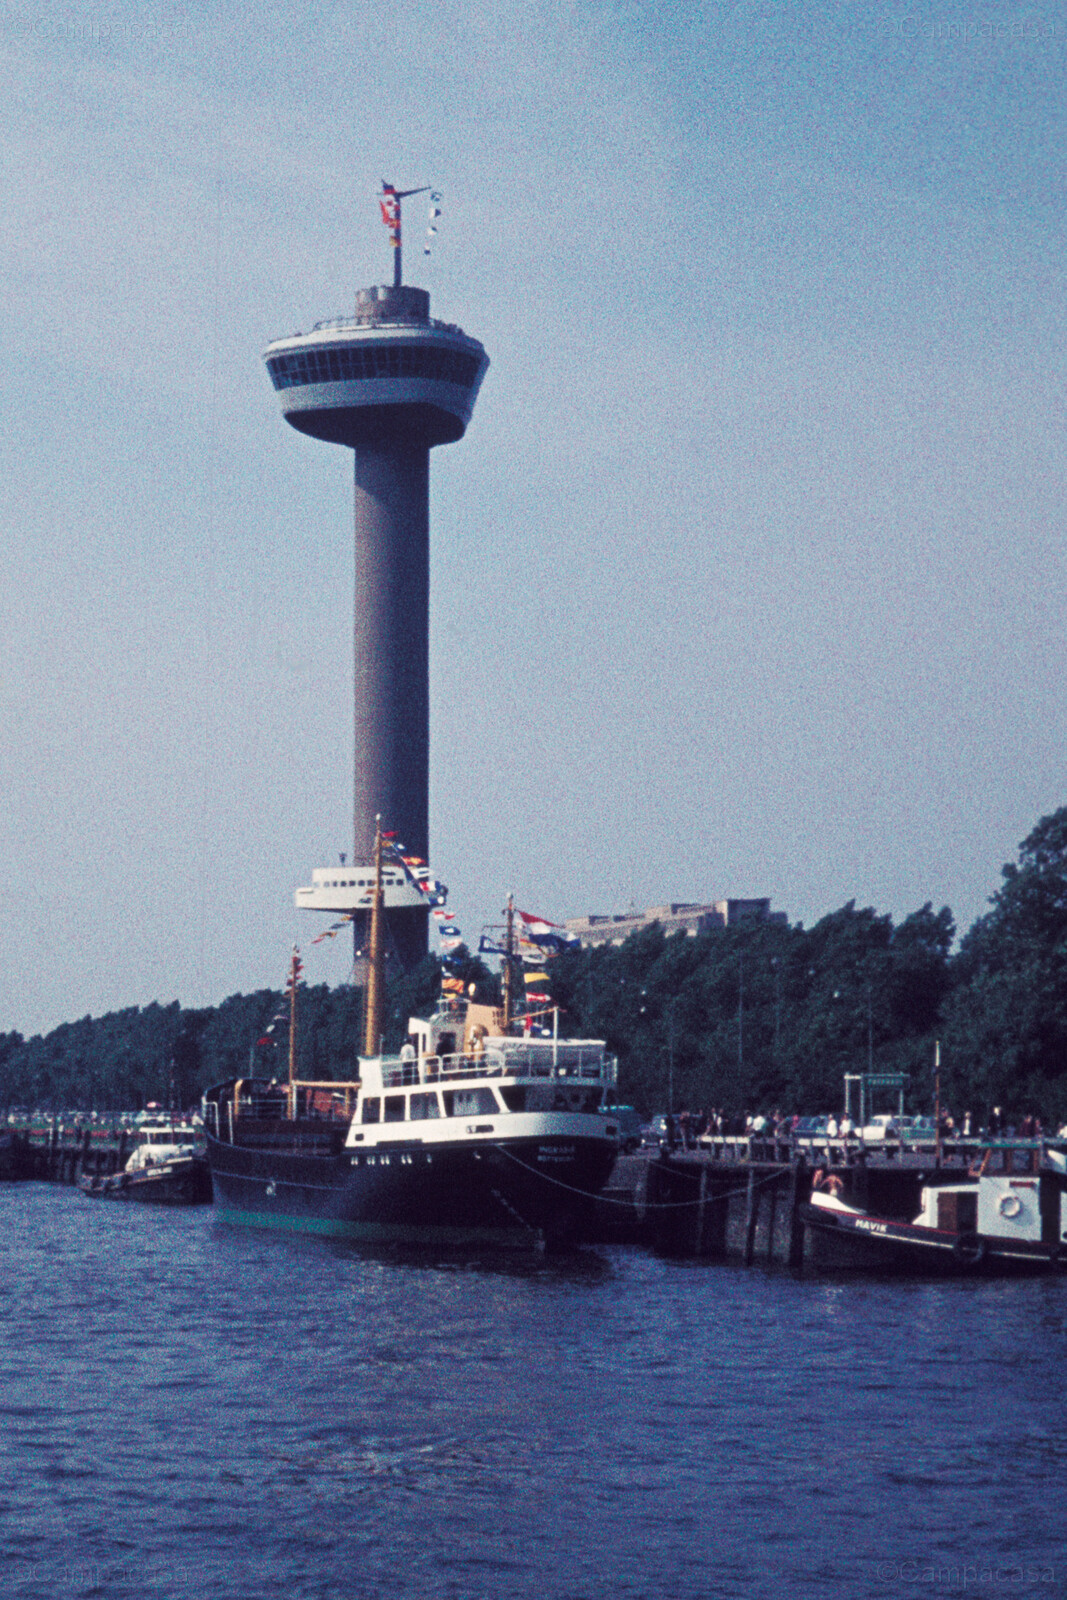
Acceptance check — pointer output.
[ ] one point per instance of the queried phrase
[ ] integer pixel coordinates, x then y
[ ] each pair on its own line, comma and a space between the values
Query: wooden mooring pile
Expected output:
743, 1200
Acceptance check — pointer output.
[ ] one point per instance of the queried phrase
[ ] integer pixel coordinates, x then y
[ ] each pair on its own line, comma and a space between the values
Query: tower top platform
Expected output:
390, 303
390, 373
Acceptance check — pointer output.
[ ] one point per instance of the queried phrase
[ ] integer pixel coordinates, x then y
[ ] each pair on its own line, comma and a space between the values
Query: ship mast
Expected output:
372, 1036
296, 966
509, 957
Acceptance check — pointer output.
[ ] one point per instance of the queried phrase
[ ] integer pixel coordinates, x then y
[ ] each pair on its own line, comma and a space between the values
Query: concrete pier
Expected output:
742, 1198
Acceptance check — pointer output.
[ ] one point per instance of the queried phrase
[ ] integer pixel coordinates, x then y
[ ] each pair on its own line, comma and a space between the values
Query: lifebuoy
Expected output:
969, 1249
1010, 1205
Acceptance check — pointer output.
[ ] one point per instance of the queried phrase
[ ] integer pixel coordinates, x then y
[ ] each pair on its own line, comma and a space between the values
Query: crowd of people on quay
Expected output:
687, 1129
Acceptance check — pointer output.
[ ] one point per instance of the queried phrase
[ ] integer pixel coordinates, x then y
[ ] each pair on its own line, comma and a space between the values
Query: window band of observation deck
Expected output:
350, 364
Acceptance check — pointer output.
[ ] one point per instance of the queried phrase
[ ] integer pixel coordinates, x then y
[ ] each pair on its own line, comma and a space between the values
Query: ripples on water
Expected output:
190, 1410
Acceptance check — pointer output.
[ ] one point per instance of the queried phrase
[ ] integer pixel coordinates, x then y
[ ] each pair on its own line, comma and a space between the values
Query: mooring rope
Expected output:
649, 1205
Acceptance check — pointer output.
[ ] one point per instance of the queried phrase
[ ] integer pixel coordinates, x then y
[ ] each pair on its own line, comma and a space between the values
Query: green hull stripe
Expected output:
373, 1232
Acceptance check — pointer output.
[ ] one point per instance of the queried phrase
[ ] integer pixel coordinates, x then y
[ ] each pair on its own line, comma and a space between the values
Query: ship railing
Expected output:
588, 1063
248, 1100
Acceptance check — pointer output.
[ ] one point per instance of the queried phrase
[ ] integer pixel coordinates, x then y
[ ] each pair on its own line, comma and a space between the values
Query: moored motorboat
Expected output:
167, 1167
1007, 1215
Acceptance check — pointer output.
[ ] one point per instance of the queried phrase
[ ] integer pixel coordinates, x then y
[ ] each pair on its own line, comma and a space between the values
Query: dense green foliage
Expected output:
763, 1015
758, 1015
1005, 1021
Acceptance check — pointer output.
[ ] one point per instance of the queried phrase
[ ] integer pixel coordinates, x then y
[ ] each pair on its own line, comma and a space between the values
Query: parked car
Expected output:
628, 1121
810, 1130
880, 1129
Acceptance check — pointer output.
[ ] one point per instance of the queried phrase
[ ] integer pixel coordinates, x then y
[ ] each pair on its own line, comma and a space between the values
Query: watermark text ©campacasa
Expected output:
87, 30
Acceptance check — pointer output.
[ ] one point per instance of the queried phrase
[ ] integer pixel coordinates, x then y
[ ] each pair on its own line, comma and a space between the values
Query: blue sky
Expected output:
748, 576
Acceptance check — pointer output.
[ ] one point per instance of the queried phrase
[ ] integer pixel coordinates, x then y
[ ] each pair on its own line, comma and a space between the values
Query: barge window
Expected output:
470, 1102
424, 1106
372, 1109
394, 1108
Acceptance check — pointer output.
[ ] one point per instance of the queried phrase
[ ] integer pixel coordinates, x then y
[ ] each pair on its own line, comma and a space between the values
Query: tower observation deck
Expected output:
390, 383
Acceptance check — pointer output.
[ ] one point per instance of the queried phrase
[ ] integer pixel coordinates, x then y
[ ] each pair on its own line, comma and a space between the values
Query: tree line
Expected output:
755, 1016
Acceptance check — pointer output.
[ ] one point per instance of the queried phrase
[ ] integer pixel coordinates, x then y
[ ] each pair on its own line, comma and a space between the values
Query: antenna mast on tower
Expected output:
390, 204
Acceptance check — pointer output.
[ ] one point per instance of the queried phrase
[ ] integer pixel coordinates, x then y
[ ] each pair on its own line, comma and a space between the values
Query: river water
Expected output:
194, 1410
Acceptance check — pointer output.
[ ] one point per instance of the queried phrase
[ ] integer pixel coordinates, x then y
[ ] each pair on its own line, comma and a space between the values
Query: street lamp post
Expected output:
740, 1016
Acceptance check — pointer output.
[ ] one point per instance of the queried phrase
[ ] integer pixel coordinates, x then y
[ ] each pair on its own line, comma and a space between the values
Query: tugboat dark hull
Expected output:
847, 1240
513, 1193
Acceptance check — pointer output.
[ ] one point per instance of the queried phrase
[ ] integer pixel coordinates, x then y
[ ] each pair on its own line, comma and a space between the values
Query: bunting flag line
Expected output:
333, 930
416, 871
435, 211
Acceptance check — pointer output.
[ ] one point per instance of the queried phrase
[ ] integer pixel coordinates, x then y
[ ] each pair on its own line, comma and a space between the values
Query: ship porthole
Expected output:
1010, 1205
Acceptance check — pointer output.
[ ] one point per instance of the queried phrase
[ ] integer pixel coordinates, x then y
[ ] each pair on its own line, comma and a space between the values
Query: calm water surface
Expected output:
191, 1410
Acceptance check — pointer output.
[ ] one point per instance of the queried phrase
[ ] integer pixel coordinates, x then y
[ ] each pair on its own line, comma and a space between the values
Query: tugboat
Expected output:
1007, 1215
475, 1133
166, 1168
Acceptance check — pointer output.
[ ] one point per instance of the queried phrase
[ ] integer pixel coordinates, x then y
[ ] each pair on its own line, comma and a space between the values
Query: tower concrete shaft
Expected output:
390, 383
392, 645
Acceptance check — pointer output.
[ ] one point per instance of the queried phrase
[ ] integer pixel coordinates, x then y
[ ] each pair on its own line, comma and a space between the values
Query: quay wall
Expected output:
744, 1204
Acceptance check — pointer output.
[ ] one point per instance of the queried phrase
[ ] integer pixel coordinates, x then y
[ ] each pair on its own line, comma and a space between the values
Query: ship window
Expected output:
394, 1108
477, 1102
539, 1097
372, 1109
514, 1098
424, 1106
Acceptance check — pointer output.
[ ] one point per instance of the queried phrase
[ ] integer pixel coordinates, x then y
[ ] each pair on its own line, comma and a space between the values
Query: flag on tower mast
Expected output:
390, 204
